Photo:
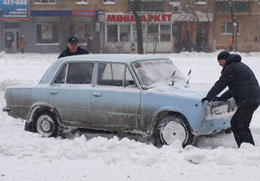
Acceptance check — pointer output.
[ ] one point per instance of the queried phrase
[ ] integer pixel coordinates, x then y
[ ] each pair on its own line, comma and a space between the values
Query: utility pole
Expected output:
136, 12
234, 26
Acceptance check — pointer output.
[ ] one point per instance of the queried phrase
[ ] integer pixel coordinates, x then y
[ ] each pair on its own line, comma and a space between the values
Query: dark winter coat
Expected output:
241, 81
67, 52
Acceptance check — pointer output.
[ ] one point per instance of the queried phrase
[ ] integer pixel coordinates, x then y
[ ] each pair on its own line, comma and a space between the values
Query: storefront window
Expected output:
152, 33
47, 33
82, 31
112, 33
165, 32
125, 33
135, 33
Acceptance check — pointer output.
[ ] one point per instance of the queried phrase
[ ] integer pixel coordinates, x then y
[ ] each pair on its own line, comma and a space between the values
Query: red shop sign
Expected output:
144, 18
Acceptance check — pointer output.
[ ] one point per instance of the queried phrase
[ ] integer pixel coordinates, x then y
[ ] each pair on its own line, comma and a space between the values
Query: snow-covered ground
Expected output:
27, 156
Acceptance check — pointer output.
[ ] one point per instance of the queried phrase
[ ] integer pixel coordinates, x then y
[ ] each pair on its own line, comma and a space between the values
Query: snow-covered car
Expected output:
140, 94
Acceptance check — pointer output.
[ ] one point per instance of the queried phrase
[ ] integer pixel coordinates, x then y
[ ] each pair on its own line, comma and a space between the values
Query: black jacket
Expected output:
241, 81
67, 52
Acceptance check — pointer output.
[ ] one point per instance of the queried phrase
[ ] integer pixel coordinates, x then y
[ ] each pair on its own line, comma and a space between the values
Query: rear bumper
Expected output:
6, 109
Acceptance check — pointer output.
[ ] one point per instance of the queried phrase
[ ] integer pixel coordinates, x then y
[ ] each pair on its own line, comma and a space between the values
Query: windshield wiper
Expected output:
189, 74
173, 76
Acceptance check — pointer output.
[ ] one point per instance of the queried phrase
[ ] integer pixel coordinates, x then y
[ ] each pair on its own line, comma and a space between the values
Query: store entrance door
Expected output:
11, 40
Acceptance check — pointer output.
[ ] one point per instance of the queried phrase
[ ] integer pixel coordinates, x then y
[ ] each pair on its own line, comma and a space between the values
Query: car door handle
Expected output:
97, 94
53, 92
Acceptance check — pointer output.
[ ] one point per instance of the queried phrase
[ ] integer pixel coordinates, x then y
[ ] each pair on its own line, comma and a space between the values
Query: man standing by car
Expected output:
73, 48
243, 87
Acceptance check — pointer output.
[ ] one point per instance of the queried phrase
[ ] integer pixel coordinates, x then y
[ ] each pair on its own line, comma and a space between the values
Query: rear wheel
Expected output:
46, 124
173, 128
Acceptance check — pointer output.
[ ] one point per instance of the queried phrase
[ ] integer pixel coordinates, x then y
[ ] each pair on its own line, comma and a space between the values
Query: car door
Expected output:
70, 92
115, 99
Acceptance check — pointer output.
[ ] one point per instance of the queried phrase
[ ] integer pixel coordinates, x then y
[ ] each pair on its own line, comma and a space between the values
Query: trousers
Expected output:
240, 123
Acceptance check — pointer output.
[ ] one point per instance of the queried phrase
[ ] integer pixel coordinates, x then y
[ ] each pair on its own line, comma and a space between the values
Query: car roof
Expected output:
126, 58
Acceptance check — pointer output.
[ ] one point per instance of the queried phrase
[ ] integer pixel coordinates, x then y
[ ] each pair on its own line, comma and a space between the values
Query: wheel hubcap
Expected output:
171, 132
45, 125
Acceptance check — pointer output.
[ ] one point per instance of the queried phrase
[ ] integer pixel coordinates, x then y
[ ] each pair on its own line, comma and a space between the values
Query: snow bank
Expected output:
27, 156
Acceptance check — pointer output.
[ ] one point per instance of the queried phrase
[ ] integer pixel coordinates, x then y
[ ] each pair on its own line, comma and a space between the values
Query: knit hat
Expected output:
223, 55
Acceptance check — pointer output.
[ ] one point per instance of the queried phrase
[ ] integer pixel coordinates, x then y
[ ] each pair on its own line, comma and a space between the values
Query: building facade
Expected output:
243, 27
167, 26
108, 26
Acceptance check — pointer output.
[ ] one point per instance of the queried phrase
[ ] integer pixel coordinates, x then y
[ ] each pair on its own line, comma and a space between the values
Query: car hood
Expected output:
196, 91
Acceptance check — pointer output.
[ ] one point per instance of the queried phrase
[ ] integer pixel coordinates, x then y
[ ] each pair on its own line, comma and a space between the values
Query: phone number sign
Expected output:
10, 9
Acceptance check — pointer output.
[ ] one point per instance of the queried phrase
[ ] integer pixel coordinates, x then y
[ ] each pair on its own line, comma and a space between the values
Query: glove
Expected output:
204, 99
216, 99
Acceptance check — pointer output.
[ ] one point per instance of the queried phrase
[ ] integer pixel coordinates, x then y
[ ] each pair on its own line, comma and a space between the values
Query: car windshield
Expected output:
151, 72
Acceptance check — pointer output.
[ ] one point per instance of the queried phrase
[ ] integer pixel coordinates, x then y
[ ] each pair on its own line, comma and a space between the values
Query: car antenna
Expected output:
189, 74
173, 76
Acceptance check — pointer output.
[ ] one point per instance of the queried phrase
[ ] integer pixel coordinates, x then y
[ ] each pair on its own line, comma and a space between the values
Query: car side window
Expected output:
75, 73
129, 81
80, 73
114, 74
60, 79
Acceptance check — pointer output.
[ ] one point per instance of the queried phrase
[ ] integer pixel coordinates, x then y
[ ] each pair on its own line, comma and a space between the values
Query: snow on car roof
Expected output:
127, 58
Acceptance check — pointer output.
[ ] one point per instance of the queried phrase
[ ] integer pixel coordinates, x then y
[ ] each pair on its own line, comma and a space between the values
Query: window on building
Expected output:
125, 33
153, 33
47, 33
227, 27
202, 2
135, 32
149, 0
259, 28
44, 1
82, 31
109, 1
165, 32
82, 1
112, 33
175, 2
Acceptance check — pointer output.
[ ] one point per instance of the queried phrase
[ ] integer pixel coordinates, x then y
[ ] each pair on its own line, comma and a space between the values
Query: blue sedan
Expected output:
140, 94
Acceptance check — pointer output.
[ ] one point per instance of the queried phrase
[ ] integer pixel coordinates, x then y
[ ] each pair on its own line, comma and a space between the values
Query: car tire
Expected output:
46, 124
172, 128
228, 130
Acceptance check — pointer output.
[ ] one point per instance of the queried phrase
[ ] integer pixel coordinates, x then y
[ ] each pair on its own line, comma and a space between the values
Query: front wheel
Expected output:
46, 124
173, 128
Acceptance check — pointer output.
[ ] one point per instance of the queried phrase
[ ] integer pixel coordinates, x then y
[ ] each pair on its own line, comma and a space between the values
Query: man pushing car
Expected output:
243, 87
